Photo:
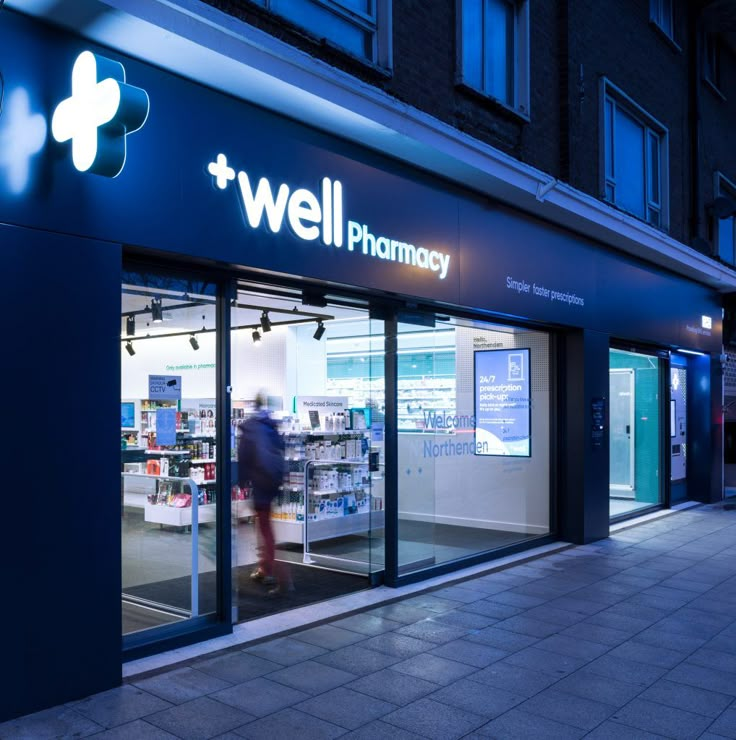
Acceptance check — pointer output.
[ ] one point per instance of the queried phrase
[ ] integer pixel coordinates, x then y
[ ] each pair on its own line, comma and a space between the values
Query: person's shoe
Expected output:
257, 575
268, 580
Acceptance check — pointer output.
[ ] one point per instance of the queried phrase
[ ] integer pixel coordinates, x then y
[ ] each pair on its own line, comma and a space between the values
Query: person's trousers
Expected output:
268, 545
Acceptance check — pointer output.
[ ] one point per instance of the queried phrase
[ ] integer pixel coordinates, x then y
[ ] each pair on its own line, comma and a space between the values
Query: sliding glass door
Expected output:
168, 440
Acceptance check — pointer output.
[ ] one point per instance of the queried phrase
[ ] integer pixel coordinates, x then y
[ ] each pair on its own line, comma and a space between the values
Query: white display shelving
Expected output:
292, 530
414, 396
286, 530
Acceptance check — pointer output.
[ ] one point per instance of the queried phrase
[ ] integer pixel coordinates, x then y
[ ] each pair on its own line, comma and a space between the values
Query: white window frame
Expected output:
662, 15
724, 186
378, 23
654, 131
520, 93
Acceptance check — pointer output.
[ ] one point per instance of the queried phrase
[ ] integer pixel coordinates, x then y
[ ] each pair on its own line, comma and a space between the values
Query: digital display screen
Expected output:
127, 414
502, 402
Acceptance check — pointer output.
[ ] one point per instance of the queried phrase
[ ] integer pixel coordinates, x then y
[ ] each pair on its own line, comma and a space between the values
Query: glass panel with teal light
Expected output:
635, 431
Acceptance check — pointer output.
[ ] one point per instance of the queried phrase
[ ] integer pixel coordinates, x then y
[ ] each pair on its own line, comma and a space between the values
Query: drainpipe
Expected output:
697, 239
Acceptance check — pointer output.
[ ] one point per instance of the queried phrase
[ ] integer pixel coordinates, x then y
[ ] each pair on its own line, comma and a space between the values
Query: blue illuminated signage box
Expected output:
502, 402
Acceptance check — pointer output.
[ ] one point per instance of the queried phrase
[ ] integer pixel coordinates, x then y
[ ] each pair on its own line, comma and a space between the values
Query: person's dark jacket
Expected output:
260, 458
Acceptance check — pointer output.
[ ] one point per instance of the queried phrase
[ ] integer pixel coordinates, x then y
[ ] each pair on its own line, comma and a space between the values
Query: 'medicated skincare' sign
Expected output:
319, 216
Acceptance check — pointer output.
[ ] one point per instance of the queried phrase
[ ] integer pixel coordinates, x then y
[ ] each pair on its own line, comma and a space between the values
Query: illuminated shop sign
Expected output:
22, 136
312, 216
99, 114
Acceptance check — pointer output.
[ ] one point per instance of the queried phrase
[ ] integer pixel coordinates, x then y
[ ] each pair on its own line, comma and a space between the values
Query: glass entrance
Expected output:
168, 485
313, 374
635, 432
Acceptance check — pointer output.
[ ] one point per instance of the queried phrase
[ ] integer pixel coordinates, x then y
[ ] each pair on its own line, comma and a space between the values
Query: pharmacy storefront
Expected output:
451, 380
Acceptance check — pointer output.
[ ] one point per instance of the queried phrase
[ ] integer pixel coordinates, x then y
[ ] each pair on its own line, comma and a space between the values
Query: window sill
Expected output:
714, 89
505, 108
663, 228
385, 72
665, 36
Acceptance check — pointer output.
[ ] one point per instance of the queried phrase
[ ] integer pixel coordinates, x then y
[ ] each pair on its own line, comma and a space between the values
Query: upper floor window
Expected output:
361, 27
725, 228
493, 44
636, 163
660, 11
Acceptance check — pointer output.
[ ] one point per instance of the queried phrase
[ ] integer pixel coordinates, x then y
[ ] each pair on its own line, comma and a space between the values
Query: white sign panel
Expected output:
314, 410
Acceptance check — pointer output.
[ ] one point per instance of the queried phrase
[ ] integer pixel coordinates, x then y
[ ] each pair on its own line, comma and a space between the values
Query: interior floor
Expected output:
422, 544
157, 569
137, 617
623, 506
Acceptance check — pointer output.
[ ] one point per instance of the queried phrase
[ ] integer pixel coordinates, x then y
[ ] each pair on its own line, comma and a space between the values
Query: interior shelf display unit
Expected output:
416, 397
426, 382
161, 480
332, 468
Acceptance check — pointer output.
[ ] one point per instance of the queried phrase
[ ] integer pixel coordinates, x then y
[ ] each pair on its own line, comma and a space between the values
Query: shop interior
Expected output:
320, 363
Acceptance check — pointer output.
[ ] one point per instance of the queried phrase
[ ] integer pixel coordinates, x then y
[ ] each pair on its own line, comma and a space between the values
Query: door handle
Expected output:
628, 429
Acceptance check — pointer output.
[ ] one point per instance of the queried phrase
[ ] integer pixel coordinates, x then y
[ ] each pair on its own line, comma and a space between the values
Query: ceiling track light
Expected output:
157, 310
319, 331
256, 337
130, 326
193, 341
129, 348
265, 322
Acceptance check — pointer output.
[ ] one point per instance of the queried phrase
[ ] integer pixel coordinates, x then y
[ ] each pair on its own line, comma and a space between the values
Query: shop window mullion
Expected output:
391, 453
227, 291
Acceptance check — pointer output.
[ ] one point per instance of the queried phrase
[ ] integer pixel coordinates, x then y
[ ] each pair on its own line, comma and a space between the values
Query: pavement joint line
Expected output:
416, 589
704, 523
142, 668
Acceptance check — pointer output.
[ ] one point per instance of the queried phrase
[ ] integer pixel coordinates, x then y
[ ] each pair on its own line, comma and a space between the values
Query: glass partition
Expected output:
635, 432
168, 450
474, 440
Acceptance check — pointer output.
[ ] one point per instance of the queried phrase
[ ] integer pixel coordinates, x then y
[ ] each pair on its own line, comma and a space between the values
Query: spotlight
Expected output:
256, 336
157, 310
130, 326
129, 347
319, 331
265, 322
193, 341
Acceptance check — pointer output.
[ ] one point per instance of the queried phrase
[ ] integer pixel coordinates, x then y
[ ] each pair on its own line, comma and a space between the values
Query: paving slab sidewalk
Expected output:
630, 637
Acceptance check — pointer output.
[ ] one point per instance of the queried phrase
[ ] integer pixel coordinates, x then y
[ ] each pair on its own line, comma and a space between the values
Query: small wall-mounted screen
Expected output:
127, 414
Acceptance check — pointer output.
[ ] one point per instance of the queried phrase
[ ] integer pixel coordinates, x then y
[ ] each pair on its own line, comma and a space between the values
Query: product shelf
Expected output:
339, 493
289, 530
178, 517
149, 475
168, 452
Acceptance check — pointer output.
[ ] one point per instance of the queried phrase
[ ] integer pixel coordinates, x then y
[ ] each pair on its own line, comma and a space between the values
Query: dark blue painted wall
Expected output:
166, 200
583, 513
60, 545
701, 440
